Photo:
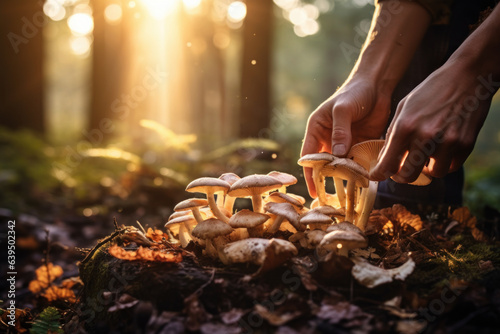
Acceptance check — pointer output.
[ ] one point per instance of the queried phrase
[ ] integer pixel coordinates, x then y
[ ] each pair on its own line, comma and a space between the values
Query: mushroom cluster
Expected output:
333, 223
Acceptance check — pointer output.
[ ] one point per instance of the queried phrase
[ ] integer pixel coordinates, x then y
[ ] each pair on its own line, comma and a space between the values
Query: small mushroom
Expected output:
279, 197
209, 186
230, 178
282, 211
252, 221
194, 205
285, 179
254, 186
316, 220
183, 226
345, 226
212, 230
342, 241
263, 252
316, 161
355, 175
338, 214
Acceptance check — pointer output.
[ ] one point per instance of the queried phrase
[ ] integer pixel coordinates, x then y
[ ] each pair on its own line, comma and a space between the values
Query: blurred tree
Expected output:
21, 63
110, 67
255, 96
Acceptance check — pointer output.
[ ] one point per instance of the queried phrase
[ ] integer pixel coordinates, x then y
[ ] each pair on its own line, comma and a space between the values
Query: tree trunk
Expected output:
21, 64
255, 106
111, 50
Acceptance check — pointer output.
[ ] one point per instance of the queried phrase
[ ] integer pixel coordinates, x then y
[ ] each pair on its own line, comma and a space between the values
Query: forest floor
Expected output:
454, 288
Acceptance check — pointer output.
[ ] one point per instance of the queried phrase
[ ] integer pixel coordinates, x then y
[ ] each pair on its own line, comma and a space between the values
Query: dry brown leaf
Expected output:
145, 254
399, 220
464, 217
276, 318
44, 278
344, 313
156, 235
54, 293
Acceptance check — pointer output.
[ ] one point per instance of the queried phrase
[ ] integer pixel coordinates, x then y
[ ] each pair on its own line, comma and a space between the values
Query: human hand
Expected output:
435, 126
356, 112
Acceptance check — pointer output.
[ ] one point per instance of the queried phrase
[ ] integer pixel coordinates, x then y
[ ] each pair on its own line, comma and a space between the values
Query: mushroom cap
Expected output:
315, 159
253, 185
315, 217
229, 178
247, 219
190, 203
278, 197
180, 214
283, 209
345, 226
422, 180
366, 153
329, 211
207, 184
285, 178
211, 228
254, 250
347, 169
348, 240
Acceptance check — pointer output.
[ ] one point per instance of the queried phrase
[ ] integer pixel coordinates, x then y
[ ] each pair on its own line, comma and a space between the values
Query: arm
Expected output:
359, 110
437, 124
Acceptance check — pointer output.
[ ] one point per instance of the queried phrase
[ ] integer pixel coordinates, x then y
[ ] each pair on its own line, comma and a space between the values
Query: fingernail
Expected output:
339, 149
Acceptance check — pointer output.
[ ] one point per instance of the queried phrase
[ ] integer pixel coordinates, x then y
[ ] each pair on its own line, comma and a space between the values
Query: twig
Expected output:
200, 289
142, 228
47, 257
117, 232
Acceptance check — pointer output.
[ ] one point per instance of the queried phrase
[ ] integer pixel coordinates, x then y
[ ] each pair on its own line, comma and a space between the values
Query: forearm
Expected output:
397, 29
478, 56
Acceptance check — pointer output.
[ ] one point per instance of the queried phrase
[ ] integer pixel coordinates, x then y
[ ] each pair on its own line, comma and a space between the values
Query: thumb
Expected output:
341, 131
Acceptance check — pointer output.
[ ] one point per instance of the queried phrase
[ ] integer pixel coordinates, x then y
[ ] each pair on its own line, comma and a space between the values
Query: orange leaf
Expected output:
44, 278
146, 254
55, 293
155, 235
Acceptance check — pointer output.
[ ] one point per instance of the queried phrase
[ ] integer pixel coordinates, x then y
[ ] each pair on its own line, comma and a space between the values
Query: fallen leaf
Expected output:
54, 293
464, 217
232, 316
44, 277
372, 276
276, 318
196, 314
124, 302
145, 254
156, 235
346, 314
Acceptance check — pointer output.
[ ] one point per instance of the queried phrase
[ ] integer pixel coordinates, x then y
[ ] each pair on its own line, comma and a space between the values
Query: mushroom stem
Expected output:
343, 251
371, 193
184, 237
229, 203
275, 225
361, 200
340, 190
215, 209
319, 183
282, 189
197, 215
257, 203
349, 214
220, 198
